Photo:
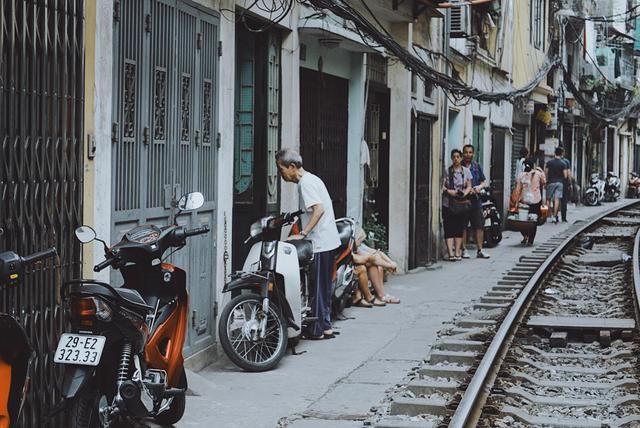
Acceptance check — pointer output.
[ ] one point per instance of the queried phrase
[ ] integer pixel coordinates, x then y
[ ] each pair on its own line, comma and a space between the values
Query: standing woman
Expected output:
531, 183
456, 205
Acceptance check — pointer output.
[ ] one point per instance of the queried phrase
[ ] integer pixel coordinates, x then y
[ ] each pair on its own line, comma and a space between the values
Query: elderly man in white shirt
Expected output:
319, 226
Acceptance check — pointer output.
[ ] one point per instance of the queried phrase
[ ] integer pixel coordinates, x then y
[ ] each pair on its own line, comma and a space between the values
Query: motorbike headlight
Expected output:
255, 229
103, 311
268, 248
85, 309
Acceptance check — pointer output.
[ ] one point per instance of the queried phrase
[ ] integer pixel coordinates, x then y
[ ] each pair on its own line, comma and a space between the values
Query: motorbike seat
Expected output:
345, 230
304, 248
130, 295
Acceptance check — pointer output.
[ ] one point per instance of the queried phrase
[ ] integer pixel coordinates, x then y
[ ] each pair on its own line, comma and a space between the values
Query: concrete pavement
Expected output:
336, 383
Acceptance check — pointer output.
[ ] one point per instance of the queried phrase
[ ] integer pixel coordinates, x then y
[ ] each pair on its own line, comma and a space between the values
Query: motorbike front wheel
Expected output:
591, 199
239, 332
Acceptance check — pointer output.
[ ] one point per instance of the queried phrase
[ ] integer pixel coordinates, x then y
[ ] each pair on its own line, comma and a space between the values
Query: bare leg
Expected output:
556, 206
458, 246
376, 259
450, 247
464, 237
393, 265
376, 276
479, 238
363, 286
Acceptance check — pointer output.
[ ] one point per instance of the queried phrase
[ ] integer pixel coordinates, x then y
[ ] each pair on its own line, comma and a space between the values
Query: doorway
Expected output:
376, 194
164, 136
421, 240
324, 120
257, 134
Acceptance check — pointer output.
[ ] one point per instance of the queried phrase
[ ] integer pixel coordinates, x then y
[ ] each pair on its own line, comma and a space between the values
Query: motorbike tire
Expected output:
225, 340
176, 409
83, 408
591, 199
493, 237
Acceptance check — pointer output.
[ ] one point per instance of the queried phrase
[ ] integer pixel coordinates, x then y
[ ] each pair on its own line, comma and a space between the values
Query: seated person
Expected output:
371, 264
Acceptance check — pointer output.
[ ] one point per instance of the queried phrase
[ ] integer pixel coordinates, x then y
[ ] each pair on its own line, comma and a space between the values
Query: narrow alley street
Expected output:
340, 382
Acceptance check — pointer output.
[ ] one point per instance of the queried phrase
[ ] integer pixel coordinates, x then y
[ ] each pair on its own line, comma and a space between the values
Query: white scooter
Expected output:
269, 307
594, 194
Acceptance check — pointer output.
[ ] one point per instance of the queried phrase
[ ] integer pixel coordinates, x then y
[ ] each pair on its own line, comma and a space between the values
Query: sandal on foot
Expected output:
362, 303
331, 333
377, 302
388, 298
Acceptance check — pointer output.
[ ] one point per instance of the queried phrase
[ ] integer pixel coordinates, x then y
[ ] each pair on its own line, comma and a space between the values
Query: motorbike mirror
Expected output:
191, 201
85, 234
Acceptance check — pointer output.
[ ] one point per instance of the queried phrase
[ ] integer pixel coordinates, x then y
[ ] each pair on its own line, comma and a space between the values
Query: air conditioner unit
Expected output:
460, 21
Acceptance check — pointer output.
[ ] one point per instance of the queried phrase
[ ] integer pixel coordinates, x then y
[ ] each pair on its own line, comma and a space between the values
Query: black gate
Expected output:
323, 132
497, 166
41, 110
420, 237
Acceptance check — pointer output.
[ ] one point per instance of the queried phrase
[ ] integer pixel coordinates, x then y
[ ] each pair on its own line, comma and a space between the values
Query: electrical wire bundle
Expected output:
452, 85
622, 113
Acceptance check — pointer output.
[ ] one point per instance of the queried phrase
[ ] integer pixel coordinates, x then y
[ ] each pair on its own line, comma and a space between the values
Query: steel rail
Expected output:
468, 408
636, 276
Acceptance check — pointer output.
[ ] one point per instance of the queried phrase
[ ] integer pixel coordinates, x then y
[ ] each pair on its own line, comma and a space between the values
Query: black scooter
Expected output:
492, 219
16, 352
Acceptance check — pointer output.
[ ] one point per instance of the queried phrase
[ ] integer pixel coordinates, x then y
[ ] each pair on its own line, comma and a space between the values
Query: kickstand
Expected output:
294, 352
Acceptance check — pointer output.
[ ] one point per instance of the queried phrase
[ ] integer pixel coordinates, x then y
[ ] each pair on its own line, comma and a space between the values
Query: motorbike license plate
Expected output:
487, 222
80, 349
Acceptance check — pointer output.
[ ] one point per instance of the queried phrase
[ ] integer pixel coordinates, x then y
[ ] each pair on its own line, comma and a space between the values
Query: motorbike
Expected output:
492, 219
612, 188
16, 351
270, 300
344, 283
270, 304
123, 357
634, 186
594, 194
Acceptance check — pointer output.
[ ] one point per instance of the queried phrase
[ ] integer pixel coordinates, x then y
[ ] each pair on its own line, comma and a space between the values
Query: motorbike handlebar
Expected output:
41, 255
104, 264
180, 234
197, 231
289, 217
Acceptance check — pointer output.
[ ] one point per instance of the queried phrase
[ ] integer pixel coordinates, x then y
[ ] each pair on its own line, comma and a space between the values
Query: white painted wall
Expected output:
399, 151
357, 114
102, 111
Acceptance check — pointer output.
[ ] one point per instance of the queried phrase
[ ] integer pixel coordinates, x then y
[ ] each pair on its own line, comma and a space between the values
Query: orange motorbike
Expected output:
16, 352
123, 356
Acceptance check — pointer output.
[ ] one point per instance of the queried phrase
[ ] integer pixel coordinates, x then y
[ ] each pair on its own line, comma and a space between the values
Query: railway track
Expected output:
555, 343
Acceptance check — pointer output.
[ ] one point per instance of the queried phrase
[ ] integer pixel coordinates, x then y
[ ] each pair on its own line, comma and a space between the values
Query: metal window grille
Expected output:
41, 122
377, 69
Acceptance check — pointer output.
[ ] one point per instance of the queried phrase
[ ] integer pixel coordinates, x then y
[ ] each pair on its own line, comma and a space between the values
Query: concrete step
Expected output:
418, 406
459, 357
512, 282
399, 423
448, 371
469, 322
504, 294
490, 306
448, 344
511, 288
497, 299
427, 387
